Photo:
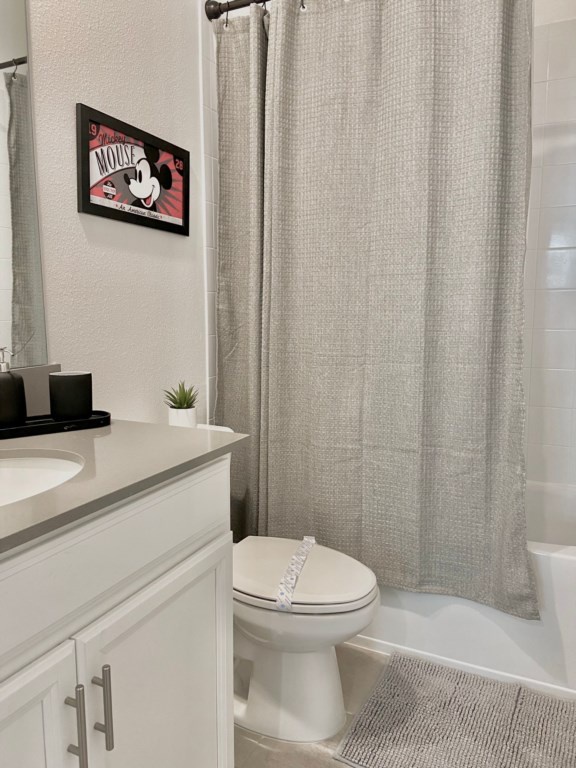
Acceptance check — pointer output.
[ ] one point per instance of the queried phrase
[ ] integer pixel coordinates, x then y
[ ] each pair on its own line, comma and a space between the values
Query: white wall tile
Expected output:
530, 265
5, 333
208, 38
561, 52
538, 134
214, 120
529, 301
211, 314
552, 388
549, 426
550, 11
208, 179
532, 228
210, 225
557, 227
206, 83
211, 193
5, 273
528, 347
551, 463
558, 185
555, 310
212, 356
213, 88
561, 100
6, 242
211, 269
556, 269
212, 394
553, 349
539, 91
216, 179
540, 55
5, 215
208, 135
4, 177
5, 305
558, 143
535, 187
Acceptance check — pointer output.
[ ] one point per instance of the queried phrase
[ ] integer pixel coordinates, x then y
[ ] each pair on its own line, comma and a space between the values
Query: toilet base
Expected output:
290, 696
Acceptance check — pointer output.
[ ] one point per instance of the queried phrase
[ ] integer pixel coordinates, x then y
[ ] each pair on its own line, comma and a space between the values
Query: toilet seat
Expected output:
330, 582
307, 608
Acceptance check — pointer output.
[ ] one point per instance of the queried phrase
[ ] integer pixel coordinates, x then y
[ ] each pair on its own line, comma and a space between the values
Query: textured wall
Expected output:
126, 302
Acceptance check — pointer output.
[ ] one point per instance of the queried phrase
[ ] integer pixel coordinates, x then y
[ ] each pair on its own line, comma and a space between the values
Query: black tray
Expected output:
45, 425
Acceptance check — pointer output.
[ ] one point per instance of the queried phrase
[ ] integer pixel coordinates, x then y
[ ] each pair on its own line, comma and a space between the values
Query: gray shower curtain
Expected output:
28, 331
370, 284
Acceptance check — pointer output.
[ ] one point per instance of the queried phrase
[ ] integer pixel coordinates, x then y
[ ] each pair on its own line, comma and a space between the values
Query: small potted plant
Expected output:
181, 402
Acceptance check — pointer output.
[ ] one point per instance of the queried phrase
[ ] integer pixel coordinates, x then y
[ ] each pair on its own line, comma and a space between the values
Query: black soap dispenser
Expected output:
12, 396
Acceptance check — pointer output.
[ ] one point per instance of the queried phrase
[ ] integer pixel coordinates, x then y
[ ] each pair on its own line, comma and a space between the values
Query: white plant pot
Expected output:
182, 417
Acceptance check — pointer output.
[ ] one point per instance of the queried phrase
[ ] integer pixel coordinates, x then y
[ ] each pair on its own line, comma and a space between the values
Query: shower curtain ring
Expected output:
227, 12
302, 6
15, 69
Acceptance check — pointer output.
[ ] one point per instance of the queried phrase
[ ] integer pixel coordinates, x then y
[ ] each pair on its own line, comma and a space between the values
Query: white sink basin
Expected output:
26, 473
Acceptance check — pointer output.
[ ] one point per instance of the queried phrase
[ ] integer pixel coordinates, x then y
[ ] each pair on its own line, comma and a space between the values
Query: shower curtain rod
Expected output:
14, 62
214, 9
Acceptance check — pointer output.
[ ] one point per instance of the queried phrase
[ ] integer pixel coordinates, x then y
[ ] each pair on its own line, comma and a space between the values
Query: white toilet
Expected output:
286, 681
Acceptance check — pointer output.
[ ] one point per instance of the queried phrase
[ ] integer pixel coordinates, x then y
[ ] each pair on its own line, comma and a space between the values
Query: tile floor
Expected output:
360, 671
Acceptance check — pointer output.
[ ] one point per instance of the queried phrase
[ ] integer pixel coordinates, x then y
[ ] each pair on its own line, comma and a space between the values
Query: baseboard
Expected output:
381, 646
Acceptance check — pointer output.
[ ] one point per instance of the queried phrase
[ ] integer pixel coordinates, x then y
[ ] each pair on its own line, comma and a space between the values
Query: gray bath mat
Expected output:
423, 715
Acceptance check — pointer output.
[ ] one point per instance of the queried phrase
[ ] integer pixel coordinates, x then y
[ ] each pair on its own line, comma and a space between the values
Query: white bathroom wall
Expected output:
12, 45
124, 301
550, 275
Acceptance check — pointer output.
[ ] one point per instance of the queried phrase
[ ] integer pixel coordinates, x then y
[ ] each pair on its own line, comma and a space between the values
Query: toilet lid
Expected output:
328, 577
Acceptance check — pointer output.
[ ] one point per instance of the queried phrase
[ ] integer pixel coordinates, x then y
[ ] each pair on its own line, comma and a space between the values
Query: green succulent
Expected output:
181, 396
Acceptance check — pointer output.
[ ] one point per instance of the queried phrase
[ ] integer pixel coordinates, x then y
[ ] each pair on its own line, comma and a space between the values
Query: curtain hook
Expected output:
227, 12
302, 6
15, 69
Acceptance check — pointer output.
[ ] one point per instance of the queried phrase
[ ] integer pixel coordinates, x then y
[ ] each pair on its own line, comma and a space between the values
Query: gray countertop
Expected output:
118, 461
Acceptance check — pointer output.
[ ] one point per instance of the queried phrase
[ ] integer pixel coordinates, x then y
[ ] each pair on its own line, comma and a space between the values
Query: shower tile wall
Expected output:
550, 275
5, 227
210, 134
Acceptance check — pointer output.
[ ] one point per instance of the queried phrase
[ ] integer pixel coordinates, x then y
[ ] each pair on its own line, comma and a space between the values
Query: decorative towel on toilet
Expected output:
370, 304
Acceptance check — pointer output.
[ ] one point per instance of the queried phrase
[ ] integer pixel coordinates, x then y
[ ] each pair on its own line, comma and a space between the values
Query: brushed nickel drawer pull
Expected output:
79, 703
107, 727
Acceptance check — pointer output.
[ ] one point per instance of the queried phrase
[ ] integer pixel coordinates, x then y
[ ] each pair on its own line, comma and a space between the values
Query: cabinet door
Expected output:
36, 726
169, 652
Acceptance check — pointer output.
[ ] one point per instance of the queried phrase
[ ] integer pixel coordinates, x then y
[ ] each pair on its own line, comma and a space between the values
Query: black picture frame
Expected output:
173, 170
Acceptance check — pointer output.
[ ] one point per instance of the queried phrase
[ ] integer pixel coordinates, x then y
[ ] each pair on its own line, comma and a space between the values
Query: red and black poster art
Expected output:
127, 174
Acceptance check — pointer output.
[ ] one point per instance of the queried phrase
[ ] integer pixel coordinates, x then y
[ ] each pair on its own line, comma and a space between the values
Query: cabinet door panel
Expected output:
165, 656
36, 726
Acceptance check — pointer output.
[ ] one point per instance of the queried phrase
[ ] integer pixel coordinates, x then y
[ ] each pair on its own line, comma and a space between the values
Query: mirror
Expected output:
22, 327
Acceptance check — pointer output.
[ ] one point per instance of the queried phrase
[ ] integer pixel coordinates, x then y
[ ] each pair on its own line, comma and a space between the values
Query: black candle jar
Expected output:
70, 395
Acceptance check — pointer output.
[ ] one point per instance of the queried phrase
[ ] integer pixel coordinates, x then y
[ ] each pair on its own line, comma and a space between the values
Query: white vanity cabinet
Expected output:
35, 726
139, 628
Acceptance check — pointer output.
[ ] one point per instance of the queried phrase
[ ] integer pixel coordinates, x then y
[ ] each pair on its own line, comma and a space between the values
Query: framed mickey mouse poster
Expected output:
127, 174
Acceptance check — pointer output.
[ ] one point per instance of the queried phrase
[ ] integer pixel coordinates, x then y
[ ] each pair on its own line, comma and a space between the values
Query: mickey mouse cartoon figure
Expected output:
149, 180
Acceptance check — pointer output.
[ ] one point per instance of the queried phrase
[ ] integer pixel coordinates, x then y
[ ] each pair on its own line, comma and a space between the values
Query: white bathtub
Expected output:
474, 637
